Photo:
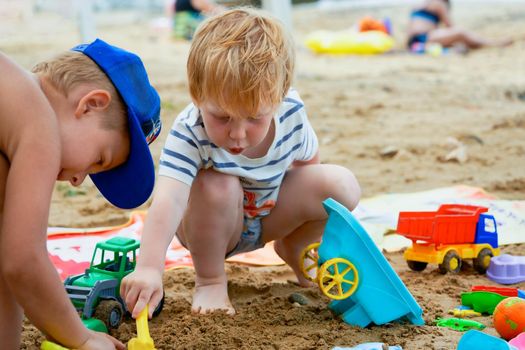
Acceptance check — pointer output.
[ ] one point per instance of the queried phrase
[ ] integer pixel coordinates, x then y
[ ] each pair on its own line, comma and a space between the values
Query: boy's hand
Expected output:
101, 341
143, 286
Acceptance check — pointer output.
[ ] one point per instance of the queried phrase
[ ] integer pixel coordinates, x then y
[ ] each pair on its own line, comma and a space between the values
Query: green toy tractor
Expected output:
96, 293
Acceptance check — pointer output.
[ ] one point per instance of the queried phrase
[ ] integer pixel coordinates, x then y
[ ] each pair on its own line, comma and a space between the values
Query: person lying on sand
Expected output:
240, 166
432, 23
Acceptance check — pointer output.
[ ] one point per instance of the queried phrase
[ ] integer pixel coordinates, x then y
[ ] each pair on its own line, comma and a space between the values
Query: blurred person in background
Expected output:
186, 15
432, 23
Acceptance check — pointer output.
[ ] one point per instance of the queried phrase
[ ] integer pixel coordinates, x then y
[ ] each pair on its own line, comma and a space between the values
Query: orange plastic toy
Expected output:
509, 317
369, 23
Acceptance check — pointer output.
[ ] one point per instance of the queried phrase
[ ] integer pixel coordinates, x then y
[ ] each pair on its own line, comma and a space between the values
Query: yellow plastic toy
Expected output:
462, 313
308, 261
334, 274
143, 341
48, 345
349, 42
331, 276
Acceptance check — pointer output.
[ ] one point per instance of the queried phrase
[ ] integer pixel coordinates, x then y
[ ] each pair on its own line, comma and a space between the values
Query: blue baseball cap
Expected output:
131, 183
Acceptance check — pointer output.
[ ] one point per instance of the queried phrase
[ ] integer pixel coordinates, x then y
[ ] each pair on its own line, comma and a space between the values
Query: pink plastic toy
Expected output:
519, 341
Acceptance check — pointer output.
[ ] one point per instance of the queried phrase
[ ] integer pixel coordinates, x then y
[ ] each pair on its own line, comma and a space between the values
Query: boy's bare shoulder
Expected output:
24, 108
14, 77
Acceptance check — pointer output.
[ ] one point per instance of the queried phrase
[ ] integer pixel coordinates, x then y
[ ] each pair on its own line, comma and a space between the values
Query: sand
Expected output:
419, 107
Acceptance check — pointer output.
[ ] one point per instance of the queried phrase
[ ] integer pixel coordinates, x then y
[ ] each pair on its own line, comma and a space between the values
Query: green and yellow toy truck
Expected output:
96, 293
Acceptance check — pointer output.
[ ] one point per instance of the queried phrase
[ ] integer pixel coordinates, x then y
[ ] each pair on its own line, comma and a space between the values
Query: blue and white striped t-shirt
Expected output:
188, 149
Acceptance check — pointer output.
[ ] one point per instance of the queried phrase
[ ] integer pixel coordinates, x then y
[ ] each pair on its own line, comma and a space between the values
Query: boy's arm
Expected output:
164, 215
31, 277
315, 160
144, 286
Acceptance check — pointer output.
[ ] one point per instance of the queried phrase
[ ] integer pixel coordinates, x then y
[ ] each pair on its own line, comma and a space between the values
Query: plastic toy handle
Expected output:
143, 341
49, 345
142, 325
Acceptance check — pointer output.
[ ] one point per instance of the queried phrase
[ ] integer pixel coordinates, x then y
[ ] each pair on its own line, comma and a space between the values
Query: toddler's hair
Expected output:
240, 60
72, 68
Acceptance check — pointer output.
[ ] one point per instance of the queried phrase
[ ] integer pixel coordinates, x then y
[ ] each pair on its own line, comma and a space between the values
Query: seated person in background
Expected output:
187, 14
431, 23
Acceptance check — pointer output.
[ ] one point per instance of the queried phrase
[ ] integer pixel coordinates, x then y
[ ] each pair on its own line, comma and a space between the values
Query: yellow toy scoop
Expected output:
49, 345
143, 341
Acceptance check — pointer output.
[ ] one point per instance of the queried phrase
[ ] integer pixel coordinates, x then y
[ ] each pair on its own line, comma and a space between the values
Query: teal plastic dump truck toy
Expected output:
350, 269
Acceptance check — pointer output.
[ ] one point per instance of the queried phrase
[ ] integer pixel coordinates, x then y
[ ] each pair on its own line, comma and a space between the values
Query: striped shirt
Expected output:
188, 149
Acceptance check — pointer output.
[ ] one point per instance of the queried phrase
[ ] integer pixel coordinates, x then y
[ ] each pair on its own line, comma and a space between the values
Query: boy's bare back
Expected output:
28, 141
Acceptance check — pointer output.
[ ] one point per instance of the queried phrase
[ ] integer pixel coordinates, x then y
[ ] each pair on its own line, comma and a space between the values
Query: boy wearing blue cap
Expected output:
90, 111
240, 166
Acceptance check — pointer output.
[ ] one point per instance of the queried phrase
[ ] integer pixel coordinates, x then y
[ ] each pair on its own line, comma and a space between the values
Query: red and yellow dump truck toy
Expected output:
448, 236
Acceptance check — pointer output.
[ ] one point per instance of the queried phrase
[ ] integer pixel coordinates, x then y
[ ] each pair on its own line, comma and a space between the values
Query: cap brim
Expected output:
130, 184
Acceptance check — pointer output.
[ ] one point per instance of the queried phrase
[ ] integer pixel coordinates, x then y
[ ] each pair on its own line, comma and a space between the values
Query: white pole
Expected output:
86, 20
281, 9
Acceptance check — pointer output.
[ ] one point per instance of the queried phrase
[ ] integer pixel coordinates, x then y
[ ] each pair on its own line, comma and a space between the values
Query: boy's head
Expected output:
240, 60
134, 107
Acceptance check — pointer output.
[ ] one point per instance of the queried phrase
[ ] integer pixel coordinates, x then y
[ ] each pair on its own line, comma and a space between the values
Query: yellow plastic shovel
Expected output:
143, 341
49, 345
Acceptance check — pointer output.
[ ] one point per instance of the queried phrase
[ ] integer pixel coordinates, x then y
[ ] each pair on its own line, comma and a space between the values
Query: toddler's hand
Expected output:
143, 286
101, 341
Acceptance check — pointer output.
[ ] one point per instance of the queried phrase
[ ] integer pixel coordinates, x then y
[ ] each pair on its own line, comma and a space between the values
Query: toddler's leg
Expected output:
10, 318
211, 227
298, 218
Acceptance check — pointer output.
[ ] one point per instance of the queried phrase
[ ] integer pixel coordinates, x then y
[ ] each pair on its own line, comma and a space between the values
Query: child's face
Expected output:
236, 134
88, 148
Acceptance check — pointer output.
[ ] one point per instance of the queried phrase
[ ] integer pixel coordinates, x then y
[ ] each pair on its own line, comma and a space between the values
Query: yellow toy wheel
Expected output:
451, 263
308, 262
482, 261
338, 278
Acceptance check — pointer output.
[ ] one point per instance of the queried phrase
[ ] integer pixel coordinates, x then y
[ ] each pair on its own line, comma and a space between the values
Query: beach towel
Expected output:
379, 214
71, 249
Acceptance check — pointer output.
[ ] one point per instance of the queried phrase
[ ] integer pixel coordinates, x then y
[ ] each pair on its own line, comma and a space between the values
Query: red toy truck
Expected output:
446, 237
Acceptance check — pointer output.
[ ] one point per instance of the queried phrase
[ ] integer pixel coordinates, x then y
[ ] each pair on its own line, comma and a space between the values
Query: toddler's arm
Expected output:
315, 160
144, 286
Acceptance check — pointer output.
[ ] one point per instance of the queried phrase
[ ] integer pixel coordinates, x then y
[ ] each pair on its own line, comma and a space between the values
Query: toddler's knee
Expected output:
215, 186
344, 186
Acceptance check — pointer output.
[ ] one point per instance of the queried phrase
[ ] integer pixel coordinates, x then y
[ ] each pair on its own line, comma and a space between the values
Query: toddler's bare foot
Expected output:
212, 297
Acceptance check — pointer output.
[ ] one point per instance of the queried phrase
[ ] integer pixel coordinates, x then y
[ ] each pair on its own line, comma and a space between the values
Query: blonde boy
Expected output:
90, 111
240, 167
